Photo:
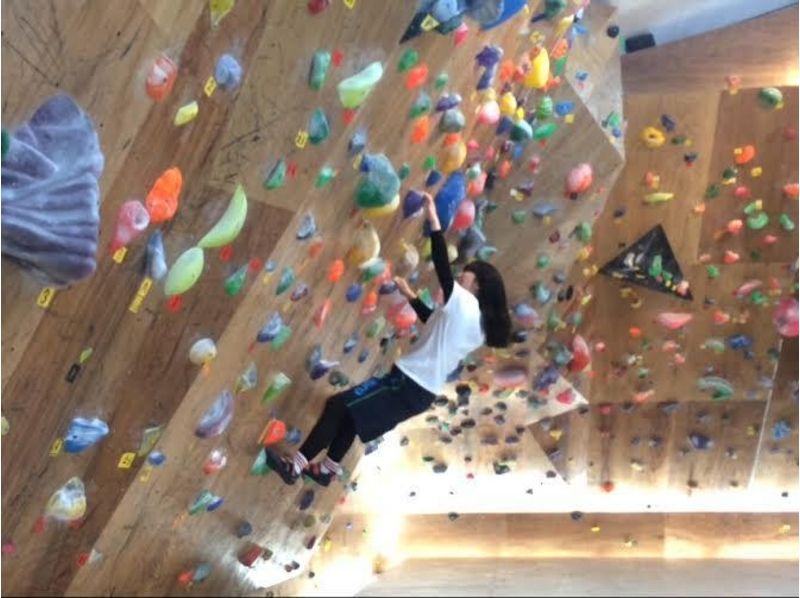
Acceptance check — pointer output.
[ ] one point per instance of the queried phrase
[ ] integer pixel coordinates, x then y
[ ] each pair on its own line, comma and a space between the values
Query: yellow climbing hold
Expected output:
186, 114
539, 73
756, 172
508, 104
652, 137
219, 9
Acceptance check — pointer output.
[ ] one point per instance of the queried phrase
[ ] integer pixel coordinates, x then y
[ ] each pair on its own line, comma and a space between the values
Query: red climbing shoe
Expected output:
316, 474
283, 466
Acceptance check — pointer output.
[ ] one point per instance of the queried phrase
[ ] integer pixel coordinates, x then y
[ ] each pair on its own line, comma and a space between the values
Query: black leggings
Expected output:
334, 429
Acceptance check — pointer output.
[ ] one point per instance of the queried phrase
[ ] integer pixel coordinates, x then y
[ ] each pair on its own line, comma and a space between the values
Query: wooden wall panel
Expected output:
742, 121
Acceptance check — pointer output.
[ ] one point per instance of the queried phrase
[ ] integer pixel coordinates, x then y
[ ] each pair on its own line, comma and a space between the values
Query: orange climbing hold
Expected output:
335, 271
790, 190
734, 227
504, 169
506, 70
559, 49
162, 201
161, 78
370, 303
743, 155
273, 433
417, 76
421, 130
635, 332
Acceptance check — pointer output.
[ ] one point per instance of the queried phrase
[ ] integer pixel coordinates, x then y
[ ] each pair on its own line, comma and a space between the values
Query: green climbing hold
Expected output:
376, 327
404, 171
325, 176
584, 232
409, 59
770, 97
277, 176
758, 222
374, 269
286, 280
430, 163
655, 268
354, 90
521, 131
228, 227
318, 129
281, 338
473, 172
553, 8
441, 81
279, 383
380, 185
545, 131
6, 138
421, 105
545, 108
486, 252
185, 272
730, 173
679, 140
543, 261
758, 298
235, 282
320, 65
786, 222
713, 191
518, 216
614, 120
712, 271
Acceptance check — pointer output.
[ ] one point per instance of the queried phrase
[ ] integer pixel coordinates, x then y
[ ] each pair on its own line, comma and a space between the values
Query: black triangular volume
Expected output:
415, 27
634, 264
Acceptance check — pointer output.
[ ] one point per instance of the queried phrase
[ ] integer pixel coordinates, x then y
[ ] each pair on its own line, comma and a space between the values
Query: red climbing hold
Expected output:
608, 486
255, 265
417, 76
226, 253
317, 6
348, 116
175, 303
336, 58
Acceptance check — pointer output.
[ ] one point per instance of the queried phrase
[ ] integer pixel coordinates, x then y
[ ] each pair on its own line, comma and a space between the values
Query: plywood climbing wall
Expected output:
96, 350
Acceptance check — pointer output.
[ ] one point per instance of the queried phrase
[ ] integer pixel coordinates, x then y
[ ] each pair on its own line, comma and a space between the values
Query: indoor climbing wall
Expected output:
692, 401
258, 168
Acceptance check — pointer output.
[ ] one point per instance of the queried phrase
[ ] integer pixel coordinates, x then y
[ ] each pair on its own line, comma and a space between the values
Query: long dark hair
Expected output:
491, 294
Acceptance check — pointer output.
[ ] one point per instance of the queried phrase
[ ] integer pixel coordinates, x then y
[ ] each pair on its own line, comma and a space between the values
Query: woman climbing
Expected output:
474, 312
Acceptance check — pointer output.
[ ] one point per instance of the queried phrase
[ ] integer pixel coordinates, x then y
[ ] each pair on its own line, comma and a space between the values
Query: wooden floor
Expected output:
578, 577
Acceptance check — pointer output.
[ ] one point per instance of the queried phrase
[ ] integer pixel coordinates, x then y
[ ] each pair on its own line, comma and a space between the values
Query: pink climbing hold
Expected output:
730, 257
566, 396
578, 180
785, 317
746, 288
460, 34
465, 216
581, 357
673, 320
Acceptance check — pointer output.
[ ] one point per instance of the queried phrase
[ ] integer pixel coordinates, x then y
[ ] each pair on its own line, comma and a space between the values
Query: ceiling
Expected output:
679, 19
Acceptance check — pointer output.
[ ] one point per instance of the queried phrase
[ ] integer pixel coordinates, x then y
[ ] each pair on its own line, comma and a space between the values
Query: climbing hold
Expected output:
219, 9
354, 90
217, 418
673, 321
380, 186
720, 388
185, 272
700, 442
578, 180
318, 127
453, 153
277, 175
771, 97
228, 73
652, 137
162, 200
273, 432
785, 317
132, 219
658, 197
306, 499
453, 121
320, 64
68, 503
203, 351
186, 113
83, 433
421, 105
279, 383
417, 76
161, 78
230, 224
216, 460
539, 73
248, 379
286, 280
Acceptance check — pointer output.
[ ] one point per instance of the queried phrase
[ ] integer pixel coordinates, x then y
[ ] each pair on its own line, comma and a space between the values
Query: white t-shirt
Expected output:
450, 334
